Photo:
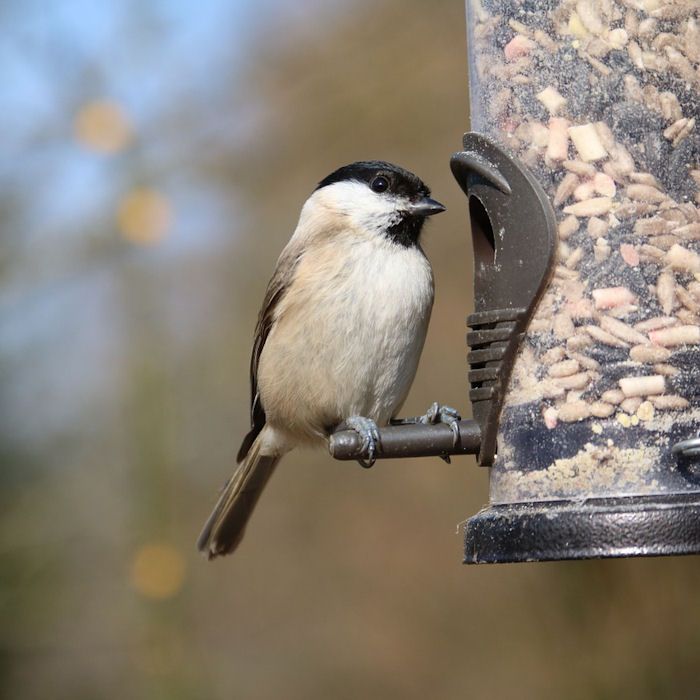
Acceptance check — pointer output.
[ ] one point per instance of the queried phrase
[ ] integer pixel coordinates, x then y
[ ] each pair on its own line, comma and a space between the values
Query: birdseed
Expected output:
600, 99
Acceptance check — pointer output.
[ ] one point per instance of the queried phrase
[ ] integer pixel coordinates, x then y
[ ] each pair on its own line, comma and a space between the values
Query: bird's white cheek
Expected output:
364, 209
375, 213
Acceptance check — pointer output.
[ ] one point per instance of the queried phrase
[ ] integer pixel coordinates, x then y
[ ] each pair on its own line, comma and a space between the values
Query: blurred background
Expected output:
155, 157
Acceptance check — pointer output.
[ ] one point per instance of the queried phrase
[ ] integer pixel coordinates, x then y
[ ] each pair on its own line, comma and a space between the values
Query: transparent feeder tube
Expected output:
600, 99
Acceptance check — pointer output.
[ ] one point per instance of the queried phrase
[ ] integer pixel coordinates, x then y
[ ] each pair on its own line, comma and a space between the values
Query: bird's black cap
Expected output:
401, 182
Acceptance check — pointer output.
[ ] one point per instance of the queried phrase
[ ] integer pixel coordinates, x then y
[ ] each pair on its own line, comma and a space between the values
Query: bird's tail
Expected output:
224, 528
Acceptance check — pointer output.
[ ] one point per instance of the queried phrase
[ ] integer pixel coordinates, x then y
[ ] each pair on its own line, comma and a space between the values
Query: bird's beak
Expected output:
425, 207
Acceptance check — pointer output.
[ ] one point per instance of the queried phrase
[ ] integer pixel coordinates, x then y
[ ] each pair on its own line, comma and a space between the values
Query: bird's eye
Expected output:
379, 184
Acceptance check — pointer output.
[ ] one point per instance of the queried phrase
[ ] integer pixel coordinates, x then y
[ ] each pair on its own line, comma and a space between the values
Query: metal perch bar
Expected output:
411, 440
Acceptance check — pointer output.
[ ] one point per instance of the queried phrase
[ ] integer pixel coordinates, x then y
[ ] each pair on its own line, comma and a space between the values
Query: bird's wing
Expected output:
276, 289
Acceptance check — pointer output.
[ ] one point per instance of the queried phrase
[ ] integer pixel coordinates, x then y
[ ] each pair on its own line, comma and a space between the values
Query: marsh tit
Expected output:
340, 331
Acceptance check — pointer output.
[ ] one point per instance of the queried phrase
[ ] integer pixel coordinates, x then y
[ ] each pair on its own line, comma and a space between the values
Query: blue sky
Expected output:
59, 314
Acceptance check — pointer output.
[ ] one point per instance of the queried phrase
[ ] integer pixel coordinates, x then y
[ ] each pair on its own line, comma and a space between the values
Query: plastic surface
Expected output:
624, 527
513, 233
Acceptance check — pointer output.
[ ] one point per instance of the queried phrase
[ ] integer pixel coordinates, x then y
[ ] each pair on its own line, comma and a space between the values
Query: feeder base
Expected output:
633, 526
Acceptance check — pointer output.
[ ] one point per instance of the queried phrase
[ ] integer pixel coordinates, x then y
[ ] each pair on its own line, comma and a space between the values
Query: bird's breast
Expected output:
348, 334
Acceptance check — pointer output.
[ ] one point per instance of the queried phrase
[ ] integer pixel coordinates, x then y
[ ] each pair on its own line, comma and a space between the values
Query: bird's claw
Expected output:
368, 431
437, 413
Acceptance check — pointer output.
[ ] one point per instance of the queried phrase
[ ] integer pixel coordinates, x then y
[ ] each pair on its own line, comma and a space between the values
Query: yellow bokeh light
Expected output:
158, 571
102, 126
144, 216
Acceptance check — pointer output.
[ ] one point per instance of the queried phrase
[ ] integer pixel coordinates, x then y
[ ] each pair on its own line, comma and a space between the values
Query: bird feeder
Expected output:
582, 177
597, 436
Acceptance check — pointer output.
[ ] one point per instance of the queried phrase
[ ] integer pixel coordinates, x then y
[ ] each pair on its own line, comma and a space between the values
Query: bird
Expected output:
340, 331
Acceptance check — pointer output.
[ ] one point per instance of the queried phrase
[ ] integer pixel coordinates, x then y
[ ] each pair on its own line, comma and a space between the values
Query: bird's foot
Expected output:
437, 413
368, 431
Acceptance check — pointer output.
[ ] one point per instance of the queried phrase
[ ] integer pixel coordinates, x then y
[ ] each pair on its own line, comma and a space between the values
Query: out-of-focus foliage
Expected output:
156, 156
